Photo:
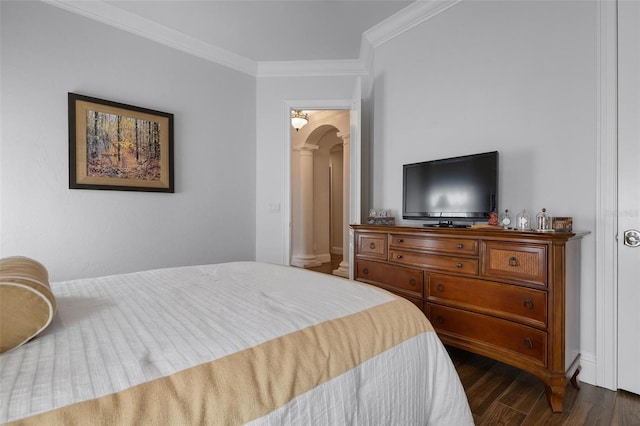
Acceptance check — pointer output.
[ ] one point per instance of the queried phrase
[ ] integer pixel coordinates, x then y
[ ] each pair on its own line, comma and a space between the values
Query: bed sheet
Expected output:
233, 343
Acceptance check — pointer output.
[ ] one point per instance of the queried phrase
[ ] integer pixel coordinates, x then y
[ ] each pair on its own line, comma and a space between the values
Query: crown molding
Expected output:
398, 23
342, 67
405, 19
136, 24
366, 53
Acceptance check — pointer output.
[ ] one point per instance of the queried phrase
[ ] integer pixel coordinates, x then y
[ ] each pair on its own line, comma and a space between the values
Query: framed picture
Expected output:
119, 147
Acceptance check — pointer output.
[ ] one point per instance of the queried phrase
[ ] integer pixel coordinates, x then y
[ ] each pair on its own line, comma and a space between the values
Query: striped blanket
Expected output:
232, 343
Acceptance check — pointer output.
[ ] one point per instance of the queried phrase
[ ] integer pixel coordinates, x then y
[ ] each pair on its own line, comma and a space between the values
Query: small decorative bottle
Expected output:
522, 220
505, 219
543, 221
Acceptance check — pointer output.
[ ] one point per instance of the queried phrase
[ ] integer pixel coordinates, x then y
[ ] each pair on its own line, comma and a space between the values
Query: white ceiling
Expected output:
270, 30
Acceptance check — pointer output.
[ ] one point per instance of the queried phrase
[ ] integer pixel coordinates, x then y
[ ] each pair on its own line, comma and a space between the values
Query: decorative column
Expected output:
343, 268
303, 230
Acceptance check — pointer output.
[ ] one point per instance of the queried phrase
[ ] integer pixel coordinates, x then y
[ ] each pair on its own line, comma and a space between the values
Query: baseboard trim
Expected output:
587, 369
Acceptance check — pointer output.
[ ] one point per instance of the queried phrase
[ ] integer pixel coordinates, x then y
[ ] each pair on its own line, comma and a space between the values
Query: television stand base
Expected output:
445, 224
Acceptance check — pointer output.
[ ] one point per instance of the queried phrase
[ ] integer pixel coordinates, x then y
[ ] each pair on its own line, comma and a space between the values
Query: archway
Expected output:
317, 189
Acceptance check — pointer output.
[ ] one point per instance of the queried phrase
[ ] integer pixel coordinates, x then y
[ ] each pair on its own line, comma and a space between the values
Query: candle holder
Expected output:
543, 221
505, 219
522, 221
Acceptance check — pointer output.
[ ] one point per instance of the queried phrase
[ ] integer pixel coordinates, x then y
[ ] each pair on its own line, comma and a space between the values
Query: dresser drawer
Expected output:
494, 334
430, 261
371, 245
395, 278
525, 305
525, 262
461, 246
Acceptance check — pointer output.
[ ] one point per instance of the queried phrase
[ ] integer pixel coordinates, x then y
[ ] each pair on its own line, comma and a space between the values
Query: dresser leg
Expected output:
555, 397
574, 379
555, 394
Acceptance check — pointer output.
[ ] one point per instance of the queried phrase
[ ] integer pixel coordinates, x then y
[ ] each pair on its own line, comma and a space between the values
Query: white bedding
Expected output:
116, 332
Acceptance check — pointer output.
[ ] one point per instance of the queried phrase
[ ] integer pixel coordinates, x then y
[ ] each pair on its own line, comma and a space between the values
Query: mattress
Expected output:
231, 343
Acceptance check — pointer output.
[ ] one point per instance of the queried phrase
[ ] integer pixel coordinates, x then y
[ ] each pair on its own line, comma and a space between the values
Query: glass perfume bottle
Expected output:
543, 221
522, 220
505, 219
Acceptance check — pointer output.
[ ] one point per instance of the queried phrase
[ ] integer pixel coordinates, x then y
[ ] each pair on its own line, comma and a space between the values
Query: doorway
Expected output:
319, 189
352, 156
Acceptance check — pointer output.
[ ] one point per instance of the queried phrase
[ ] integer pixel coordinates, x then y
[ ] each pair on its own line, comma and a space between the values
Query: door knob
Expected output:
632, 238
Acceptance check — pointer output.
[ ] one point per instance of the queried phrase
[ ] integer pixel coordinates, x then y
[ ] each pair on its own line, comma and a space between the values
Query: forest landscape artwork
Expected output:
122, 147
119, 146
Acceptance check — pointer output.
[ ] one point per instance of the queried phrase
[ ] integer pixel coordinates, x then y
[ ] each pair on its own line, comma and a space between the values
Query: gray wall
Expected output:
47, 52
516, 77
273, 145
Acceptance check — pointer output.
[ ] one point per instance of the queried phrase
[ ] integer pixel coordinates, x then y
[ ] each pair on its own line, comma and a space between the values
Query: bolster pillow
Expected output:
27, 305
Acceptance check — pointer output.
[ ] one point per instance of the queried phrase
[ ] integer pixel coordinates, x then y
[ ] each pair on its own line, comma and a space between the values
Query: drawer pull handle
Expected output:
459, 246
528, 303
412, 281
399, 256
400, 240
365, 271
372, 246
528, 343
440, 319
440, 287
513, 261
459, 265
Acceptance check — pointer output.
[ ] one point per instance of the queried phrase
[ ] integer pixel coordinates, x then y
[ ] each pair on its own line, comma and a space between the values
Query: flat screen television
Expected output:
450, 190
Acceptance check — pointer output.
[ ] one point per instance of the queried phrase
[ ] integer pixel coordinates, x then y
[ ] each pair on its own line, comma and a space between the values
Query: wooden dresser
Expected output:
509, 295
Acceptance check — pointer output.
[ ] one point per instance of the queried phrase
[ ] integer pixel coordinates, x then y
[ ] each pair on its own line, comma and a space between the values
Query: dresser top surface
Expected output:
473, 232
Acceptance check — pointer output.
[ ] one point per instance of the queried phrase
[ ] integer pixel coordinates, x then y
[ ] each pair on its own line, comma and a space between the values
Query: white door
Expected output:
629, 195
355, 168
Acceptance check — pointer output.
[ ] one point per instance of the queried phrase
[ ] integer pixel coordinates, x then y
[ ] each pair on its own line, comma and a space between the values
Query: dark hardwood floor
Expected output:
503, 395
329, 267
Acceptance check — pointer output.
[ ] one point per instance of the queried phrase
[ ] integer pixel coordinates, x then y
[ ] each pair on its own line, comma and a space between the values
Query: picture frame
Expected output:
115, 146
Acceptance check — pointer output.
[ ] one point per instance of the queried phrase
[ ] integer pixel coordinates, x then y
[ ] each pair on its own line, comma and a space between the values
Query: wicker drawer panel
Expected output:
441, 263
395, 278
461, 246
525, 305
371, 245
493, 333
514, 261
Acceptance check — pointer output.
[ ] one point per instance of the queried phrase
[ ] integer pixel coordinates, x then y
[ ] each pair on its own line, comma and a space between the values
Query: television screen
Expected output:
461, 188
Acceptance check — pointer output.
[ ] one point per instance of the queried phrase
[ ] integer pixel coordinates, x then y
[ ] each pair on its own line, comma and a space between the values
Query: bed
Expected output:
230, 343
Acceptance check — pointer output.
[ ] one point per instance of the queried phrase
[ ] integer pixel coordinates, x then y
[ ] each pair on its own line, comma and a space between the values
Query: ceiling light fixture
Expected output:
298, 119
